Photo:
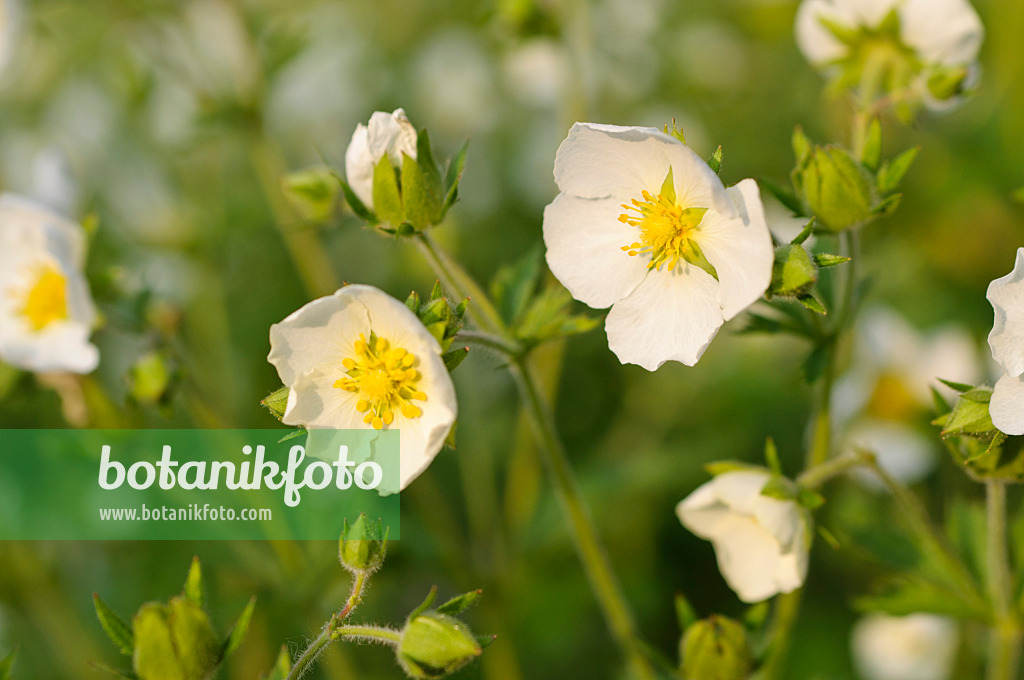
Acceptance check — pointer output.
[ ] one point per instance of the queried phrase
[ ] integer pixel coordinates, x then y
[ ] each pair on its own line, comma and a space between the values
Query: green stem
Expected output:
592, 555
820, 474
787, 608
386, 636
821, 437
1005, 640
328, 633
495, 342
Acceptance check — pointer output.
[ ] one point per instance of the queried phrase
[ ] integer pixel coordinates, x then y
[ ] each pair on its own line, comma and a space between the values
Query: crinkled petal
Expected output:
1007, 405
612, 161
671, 316
740, 248
748, 557
1007, 337
584, 241
946, 32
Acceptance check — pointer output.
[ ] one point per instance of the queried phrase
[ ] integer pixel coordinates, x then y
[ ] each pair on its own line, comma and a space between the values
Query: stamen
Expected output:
386, 380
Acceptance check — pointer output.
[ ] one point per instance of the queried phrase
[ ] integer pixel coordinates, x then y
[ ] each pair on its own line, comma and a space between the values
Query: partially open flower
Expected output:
46, 312
643, 225
360, 359
892, 45
389, 134
1007, 342
761, 542
914, 647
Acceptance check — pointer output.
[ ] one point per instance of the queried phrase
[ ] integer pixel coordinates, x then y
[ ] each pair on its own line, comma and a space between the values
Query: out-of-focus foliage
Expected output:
170, 124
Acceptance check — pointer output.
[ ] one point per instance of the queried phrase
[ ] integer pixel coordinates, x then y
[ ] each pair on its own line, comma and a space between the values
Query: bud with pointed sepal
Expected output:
363, 545
715, 648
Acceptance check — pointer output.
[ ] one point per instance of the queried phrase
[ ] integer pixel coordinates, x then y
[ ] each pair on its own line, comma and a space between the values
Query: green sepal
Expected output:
109, 670
357, 206
174, 642
871, 157
810, 499
715, 648
675, 132
363, 545
812, 303
425, 159
453, 357
548, 317
780, 488
194, 588
453, 177
771, 456
804, 234
892, 172
957, 386
150, 378
413, 302
970, 416
888, 205
434, 645
116, 629
827, 535
282, 666
515, 283
686, 615
793, 273
721, 467
485, 640
421, 203
425, 605
459, 603
801, 146
825, 260
239, 629
387, 198
946, 83
276, 402
313, 192
715, 161
436, 292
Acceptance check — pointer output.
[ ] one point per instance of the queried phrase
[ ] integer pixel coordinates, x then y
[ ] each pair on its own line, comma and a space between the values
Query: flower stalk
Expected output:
330, 631
1004, 658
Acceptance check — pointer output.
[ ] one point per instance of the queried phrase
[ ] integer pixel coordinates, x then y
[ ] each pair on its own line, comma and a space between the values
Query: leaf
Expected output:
194, 588
386, 197
116, 629
547, 318
771, 456
686, 615
956, 386
282, 666
871, 156
911, 594
238, 631
716, 160
459, 603
801, 146
453, 178
826, 260
891, 173
515, 283
357, 205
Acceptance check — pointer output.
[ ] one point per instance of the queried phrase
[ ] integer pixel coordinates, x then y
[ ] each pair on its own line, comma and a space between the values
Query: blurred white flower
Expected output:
900, 40
453, 79
360, 359
46, 312
389, 134
643, 225
888, 384
537, 72
761, 543
914, 647
1007, 342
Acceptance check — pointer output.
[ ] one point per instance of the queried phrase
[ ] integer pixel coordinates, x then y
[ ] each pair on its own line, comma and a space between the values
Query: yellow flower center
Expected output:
46, 300
891, 400
666, 230
386, 380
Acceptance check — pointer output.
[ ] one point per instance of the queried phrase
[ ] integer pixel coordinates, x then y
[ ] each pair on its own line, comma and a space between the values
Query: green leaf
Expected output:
515, 283
238, 631
194, 588
801, 146
686, 615
453, 178
911, 594
891, 173
313, 192
783, 195
357, 205
771, 456
957, 386
387, 199
460, 603
6, 663
547, 318
116, 629
282, 666
825, 260
716, 160
871, 157
276, 402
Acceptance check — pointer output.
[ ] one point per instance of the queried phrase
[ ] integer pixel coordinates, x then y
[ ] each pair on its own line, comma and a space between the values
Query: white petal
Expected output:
584, 240
27, 225
748, 557
359, 166
914, 647
740, 248
696, 184
1007, 337
1007, 405
314, 402
816, 42
900, 450
739, 489
319, 334
947, 32
601, 161
671, 316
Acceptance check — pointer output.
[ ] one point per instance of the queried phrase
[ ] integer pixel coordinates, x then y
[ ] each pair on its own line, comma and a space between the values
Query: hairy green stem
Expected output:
592, 555
328, 633
379, 634
1004, 657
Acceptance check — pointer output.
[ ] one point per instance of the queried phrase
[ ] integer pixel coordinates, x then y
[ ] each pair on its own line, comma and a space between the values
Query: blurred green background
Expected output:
170, 123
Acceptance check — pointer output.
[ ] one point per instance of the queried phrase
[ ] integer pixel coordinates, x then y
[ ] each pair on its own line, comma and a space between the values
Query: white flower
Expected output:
46, 312
643, 225
388, 134
761, 542
1007, 342
914, 647
931, 34
360, 359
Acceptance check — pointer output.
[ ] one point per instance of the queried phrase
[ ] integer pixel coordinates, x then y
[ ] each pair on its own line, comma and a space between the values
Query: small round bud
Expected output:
715, 649
174, 640
434, 645
362, 545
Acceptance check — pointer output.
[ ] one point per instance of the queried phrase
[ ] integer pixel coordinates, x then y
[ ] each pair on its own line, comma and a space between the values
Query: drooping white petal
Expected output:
945, 32
1007, 405
1007, 337
740, 248
740, 489
320, 333
748, 557
584, 240
671, 316
601, 161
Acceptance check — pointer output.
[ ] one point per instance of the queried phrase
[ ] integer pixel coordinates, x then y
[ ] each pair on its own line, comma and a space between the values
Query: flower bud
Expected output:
174, 640
363, 545
837, 188
715, 649
794, 273
434, 645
